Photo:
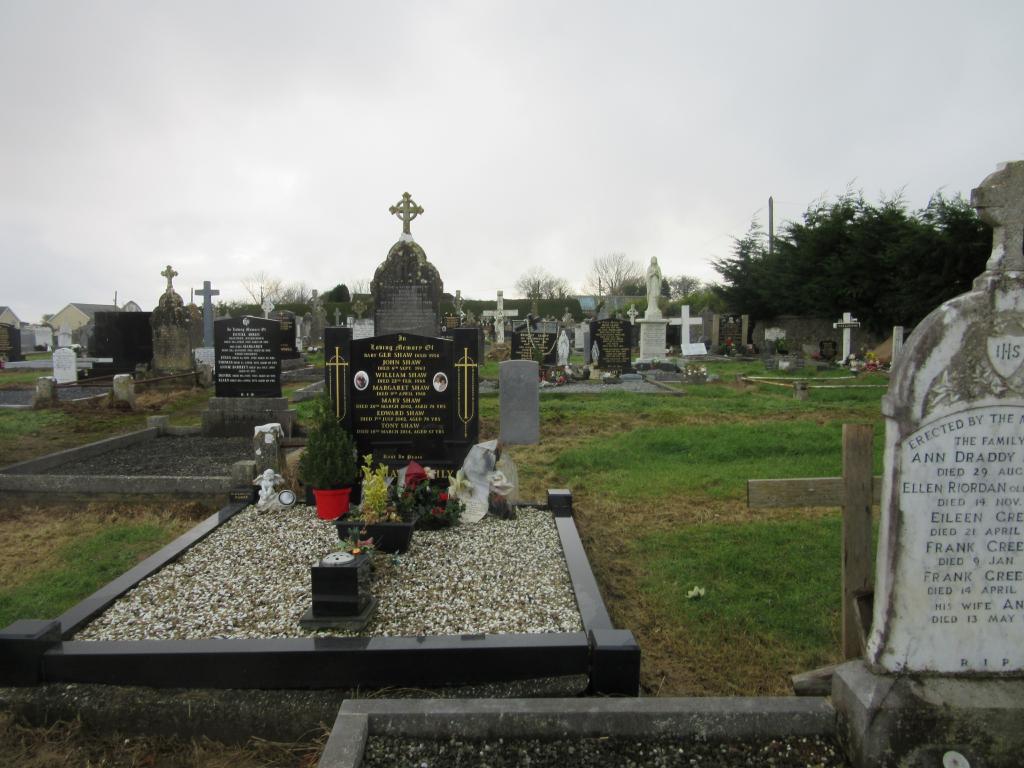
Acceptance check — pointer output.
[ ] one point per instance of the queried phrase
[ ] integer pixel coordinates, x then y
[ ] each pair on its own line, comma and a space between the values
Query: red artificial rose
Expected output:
437, 511
442, 496
414, 475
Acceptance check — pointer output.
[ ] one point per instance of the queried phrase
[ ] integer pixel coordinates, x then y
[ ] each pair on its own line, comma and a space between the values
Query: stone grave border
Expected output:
39, 651
715, 719
23, 476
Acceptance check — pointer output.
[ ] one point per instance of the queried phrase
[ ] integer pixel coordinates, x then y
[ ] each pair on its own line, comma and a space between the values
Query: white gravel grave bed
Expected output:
250, 578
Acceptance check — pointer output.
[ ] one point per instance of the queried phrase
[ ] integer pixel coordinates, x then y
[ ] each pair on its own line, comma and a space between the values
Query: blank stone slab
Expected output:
519, 402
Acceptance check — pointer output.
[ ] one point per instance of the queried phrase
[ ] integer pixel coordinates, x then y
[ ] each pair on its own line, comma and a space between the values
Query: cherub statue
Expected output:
268, 483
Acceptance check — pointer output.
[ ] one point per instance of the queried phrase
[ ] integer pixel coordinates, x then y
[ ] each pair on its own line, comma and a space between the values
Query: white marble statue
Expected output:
268, 482
563, 349
653, 288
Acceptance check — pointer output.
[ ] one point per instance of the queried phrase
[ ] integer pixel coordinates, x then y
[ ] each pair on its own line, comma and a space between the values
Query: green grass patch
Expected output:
86, 566
778, 580
17, 423
655, 463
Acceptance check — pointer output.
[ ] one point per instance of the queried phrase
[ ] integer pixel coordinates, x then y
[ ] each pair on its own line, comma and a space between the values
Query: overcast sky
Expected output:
230, 137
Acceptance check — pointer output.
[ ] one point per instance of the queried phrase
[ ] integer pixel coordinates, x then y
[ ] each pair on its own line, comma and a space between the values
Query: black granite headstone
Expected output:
289, 345
731, 327
612, 338
247, 357
10, 343
406, 397
540, 346
126, 337
827, 349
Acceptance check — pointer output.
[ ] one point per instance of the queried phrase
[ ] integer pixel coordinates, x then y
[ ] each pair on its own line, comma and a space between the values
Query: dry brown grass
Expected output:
69, 744
33, 530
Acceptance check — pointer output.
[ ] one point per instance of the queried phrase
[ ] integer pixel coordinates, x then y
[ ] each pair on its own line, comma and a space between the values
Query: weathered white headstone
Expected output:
897, 343
950, 585
204, 356
64, 338
945, 654
65, 365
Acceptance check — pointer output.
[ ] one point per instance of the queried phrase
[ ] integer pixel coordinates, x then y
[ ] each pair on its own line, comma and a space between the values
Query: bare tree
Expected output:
296, 293
260, 285
615, 275
538, 283
362, 285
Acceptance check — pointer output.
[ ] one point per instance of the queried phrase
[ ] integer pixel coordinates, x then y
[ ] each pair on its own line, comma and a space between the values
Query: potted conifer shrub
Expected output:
329, 462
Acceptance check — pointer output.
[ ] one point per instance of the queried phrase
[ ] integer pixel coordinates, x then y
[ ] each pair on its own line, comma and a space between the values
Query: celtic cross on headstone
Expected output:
407, 210
169, 273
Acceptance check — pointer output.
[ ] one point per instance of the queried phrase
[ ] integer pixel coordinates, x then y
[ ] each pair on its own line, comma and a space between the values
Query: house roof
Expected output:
92, 309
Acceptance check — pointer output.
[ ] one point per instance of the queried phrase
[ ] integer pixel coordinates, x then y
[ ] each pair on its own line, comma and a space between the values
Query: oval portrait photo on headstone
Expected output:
360, 381
440, 381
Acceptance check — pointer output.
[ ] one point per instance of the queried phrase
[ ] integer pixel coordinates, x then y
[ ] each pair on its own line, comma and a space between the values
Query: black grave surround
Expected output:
37, 651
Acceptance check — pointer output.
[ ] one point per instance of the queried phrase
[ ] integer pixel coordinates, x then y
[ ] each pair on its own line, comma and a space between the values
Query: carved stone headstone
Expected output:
172, 348
945, 655
65, 365
406, 287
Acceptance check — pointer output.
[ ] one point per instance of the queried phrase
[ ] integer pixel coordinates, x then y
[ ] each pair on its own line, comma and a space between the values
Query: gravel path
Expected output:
190, 456
797, 752
251, 579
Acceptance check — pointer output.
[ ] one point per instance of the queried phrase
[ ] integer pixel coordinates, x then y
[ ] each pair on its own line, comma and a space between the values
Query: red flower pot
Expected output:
331, 503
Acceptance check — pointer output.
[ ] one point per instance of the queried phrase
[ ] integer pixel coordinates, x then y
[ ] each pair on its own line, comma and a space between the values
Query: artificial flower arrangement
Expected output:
377, 505
426, 500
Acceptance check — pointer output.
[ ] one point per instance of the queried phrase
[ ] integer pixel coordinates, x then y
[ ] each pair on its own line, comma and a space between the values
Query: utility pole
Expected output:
771, 225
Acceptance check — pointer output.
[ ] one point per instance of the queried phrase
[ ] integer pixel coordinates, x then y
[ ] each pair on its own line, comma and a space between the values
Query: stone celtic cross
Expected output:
633, 314
170, 274
267, 306
1000, 203
407, 210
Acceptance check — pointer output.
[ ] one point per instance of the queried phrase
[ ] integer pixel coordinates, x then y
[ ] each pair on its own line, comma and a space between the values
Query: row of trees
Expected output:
887, 265
615, 275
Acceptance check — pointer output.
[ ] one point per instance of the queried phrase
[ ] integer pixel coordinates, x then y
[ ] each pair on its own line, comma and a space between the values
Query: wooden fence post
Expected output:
858, 460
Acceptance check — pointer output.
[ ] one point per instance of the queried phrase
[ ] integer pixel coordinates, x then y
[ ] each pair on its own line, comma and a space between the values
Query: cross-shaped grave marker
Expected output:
207, 293
847, 322
406, 209
267, 306
169, 273
685, 322
1000, 204
499, 316
633, 314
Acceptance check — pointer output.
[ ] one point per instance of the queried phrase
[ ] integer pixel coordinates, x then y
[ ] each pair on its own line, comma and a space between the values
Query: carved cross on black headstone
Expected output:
407, 210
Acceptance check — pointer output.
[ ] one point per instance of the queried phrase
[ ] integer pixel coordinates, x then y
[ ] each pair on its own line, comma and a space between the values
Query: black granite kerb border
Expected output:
33, 652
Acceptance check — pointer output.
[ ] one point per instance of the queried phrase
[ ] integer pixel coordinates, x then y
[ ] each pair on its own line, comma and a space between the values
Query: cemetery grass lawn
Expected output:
27, 434
55, 553
659, 485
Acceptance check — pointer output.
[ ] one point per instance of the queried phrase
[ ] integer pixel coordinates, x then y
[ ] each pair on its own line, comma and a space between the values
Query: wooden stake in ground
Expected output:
857, 498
